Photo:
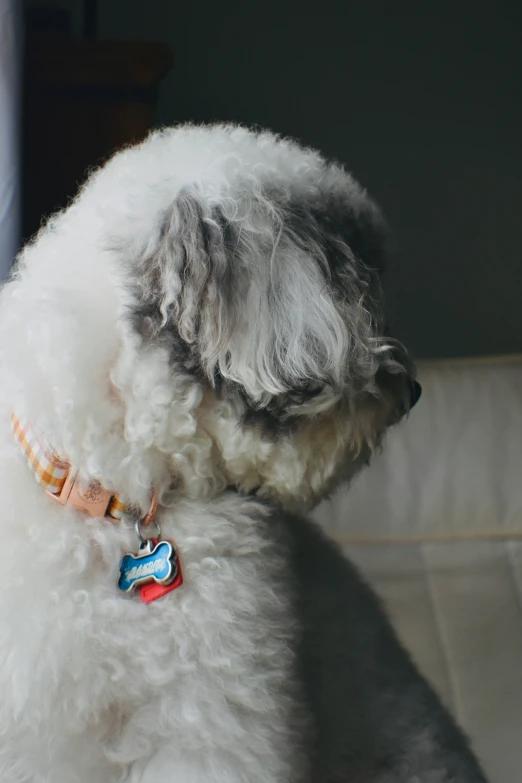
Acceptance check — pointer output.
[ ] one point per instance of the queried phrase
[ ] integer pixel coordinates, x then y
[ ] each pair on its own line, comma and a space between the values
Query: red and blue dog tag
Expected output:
155, 570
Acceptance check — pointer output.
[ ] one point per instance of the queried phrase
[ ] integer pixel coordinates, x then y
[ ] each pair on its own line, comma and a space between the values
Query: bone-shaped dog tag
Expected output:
156, 561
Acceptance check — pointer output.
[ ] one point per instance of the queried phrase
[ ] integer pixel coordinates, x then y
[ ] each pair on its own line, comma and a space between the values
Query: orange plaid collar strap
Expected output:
60, 481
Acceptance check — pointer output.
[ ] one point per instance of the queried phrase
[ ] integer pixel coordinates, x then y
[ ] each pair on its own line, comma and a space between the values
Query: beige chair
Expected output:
436, 525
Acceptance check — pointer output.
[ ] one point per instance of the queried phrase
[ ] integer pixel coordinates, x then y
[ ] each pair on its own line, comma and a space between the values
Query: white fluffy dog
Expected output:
201, 325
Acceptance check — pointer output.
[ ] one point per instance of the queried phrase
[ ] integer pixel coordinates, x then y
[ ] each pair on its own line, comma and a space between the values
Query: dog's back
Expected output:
375, 717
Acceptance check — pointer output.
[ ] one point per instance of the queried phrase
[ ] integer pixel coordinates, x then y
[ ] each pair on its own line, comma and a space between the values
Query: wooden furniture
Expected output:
84, 99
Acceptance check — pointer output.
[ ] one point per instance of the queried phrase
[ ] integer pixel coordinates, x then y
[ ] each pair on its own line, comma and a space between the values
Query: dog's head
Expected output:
263, 283
249, 268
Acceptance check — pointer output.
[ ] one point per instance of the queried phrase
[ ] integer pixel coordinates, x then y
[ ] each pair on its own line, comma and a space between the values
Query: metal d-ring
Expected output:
138, 526
148, 520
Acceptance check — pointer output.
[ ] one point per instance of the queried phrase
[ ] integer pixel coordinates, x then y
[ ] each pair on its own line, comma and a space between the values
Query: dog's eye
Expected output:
314, 388
306, 392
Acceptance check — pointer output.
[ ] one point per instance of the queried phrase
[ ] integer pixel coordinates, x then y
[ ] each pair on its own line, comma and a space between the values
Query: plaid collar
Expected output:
60, 480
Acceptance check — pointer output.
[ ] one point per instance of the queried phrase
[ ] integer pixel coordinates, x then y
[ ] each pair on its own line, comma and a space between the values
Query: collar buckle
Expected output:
94, 500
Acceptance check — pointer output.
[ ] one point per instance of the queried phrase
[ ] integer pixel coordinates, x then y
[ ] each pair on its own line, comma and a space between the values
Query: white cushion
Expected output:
453, 468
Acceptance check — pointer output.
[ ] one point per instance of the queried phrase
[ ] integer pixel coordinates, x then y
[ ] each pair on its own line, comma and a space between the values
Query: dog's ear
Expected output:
273, 295
248, 294
184, 287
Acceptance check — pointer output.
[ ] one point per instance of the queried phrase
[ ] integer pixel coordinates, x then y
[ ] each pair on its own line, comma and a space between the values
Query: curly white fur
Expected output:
97, 687
197, 687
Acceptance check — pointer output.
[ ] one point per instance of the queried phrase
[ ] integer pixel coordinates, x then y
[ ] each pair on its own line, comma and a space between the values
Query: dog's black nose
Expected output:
415, 393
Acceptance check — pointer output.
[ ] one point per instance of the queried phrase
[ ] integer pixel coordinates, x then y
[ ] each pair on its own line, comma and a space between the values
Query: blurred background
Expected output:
421, 101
